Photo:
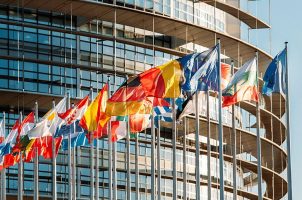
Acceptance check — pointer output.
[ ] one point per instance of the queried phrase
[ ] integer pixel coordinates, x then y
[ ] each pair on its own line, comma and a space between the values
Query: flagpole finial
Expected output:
286, 43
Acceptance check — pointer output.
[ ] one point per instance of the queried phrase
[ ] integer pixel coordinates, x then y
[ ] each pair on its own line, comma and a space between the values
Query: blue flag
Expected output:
65, 130
275, 75
77, 139
201, 71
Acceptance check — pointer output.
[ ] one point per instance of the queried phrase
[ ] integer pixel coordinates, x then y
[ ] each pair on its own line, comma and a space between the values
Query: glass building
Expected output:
49, 48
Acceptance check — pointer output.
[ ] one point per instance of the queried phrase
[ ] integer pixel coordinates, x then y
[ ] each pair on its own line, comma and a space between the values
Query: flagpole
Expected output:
197, 147
97, 169
128, 160
158, 162
3, 172
109, 149
184, 159
221, 161
209, 146
36, 161
259, 162
54, 164
289, 173
174, 152
234, 147
152, 156
73, 164
20, 171
91, 158
69, 156
136, 169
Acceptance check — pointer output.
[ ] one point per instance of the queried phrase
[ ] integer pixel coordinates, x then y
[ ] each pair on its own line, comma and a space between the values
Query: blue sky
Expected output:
287, 26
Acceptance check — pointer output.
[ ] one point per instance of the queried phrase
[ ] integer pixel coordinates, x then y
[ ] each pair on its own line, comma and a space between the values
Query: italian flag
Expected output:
243, 85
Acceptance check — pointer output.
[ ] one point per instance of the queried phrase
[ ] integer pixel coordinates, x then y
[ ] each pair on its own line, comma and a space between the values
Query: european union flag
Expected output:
200, 71
275, 75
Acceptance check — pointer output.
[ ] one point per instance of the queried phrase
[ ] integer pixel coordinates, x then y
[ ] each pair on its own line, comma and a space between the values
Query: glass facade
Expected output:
51, 53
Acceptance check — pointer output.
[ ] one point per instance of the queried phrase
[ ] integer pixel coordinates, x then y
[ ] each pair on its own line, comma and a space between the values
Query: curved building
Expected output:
50, 47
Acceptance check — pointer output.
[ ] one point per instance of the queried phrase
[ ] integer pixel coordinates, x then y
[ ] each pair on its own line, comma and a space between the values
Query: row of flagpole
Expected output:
174, 135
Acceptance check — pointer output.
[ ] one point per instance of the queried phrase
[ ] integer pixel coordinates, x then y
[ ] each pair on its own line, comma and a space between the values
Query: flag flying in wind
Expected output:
163, 113
274, 77
131, 98
243, 85
139, 122
162, 81
75, 113
189, 103
95, 113
49, 123
66, 130
26, 125
10, 140
203, 69
78, 137
2, 131
118, 128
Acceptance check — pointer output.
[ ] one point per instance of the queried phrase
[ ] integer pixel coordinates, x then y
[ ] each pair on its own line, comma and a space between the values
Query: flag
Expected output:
95, 113
205, 71
189, 103
75, 113
129, 99
77, 139
243, 85
162, 81
190, 64
275, 75
140, 93
49, 123
163, 113
44, 147
2, 131
139, 122
21, 139
10, 140
66, 130
99, 133
118, 130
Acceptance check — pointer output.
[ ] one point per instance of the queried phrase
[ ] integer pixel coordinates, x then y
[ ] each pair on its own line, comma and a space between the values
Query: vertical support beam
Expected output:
174, 135
259, 161
158, 162
97, 169
54, 165
234, 149
209, 146
184, 159
220, 127
91, 159
152, 156
128, 161
289, 172
197, 146
69, 156
3, 172
36, 161
109, 147
78, 182
97, 141
136, 168
114, 173
20, 171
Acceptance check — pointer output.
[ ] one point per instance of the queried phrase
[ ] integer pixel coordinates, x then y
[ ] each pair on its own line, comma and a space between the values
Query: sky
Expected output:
286, 22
